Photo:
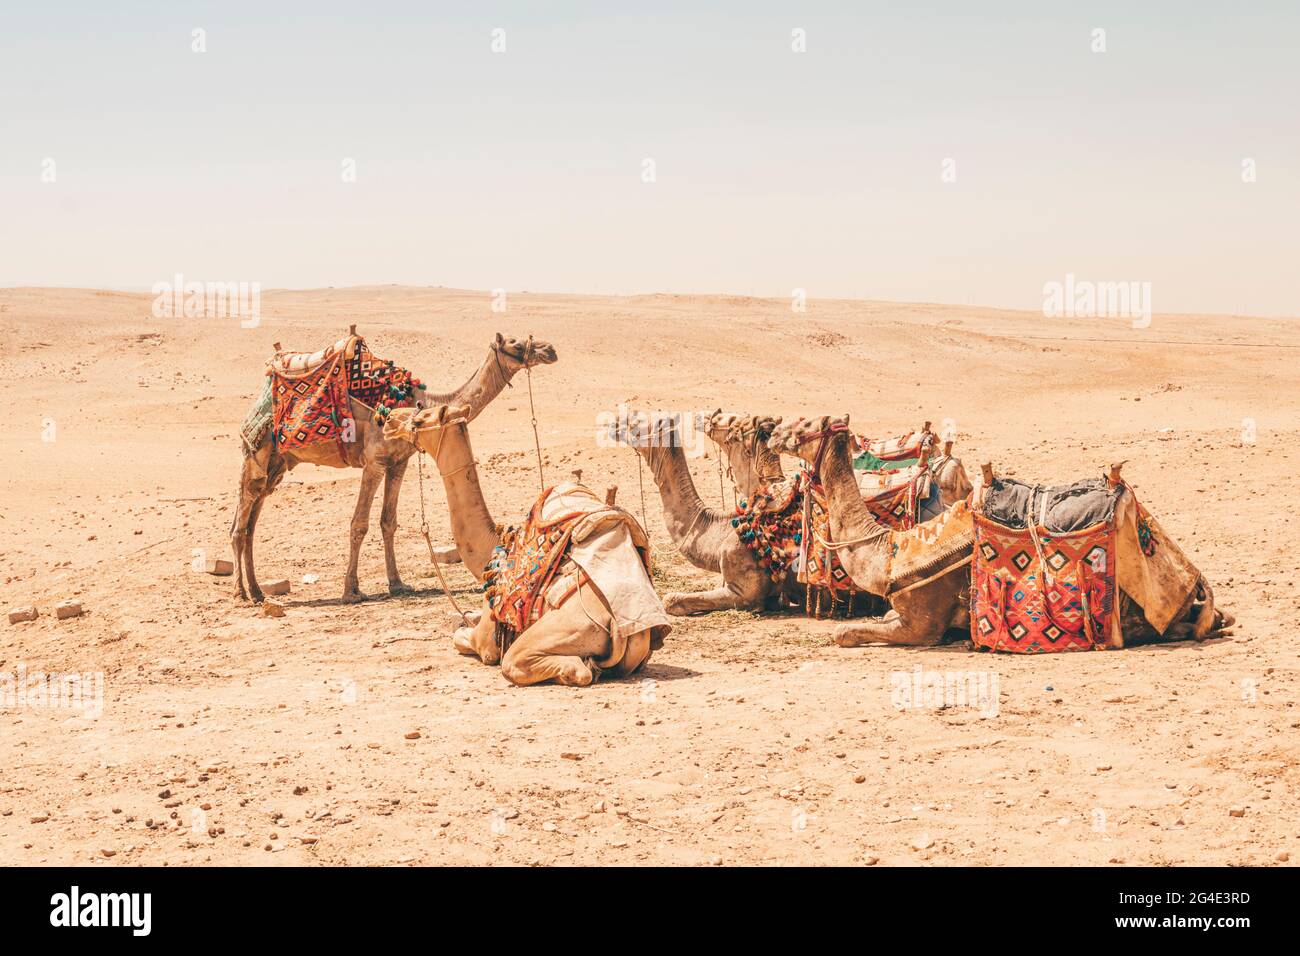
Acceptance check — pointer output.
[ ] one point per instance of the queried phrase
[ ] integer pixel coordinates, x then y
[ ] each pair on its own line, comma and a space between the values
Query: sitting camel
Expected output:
924, 572
923, 610
600, 610
703, 534
378, 457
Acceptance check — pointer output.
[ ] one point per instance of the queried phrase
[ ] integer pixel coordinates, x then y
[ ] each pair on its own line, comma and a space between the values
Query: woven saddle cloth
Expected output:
932, 546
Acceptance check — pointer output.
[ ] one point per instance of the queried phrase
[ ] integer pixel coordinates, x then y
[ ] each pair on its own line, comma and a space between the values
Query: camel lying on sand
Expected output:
704, 535
929, 594
586, 634
378, 458
919, 615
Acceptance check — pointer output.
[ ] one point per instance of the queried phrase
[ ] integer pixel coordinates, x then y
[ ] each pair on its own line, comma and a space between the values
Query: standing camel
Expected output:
704, 535
378, 457
922, 611
570, 644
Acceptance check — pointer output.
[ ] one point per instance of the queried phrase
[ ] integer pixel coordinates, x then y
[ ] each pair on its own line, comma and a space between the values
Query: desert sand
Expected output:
354, 734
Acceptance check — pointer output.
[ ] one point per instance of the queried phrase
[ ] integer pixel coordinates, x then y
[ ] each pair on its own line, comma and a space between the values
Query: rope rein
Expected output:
424, 530
532, 410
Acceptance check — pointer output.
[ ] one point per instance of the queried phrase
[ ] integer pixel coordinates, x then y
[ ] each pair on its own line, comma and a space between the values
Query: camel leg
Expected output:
744, 585
370, 476
388, 523
890, 629
683, 603
559, 646
252, 489
478, 640
239, 536
253, 589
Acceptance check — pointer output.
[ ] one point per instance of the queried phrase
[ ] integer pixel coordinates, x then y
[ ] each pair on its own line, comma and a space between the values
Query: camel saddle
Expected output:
300, 364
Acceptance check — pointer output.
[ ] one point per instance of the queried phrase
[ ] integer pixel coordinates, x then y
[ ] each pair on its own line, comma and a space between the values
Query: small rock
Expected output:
1282, 857
413, 735
1237, 812
310, 578
860, 778
308, 840
1103, 767
272, 609
67, 609
276, 587
870, 860
219, 567
569, 755
107, 853
19, 614
40, 818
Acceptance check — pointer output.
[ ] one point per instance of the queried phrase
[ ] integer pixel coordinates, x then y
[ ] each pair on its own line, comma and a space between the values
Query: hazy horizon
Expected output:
128, 157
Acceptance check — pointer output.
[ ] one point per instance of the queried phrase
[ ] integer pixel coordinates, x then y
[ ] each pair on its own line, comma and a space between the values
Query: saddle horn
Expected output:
1114, 478
986, 470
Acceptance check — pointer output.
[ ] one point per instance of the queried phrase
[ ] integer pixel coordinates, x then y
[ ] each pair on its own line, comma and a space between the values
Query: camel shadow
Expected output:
665, 672
462, 594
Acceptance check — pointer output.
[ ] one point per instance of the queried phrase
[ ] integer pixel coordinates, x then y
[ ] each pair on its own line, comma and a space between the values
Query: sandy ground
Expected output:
230, 738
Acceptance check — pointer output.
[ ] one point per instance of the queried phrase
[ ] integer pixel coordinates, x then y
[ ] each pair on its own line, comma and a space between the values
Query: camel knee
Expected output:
359, 530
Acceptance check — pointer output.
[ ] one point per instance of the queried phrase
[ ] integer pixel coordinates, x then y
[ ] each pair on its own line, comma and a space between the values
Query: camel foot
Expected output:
353, 596
853, 635
255, 593
460, 639
398, 586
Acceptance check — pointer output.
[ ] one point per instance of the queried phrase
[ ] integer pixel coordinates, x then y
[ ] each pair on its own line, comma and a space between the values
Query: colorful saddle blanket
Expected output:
772, 525
900, 498
570, 539
1043, 576
309, 395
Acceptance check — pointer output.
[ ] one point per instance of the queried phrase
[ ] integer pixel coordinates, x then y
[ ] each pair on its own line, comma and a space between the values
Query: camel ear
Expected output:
846, 418
501, 340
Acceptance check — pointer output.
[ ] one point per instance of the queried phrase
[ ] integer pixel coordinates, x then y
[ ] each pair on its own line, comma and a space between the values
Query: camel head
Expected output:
806, 437
644, 432
436, 430
731, 427
518, 354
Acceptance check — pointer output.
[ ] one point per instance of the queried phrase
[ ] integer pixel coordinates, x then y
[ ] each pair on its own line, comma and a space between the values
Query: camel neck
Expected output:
688, 519
850, 520
472, 526
479, 391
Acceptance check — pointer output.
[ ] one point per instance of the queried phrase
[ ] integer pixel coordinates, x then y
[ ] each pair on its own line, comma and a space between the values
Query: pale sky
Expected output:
775, 170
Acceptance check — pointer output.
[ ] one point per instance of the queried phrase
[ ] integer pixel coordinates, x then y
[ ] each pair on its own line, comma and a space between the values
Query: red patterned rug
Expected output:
1038, 592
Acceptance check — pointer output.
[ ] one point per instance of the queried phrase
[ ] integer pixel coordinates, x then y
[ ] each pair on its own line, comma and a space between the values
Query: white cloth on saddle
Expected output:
872, 483
297, 364
604, 543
